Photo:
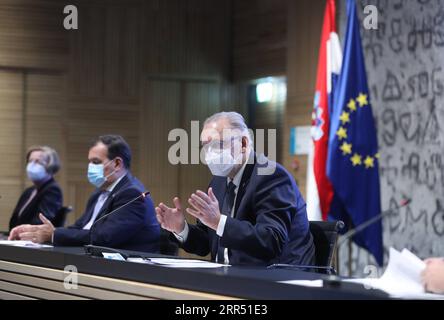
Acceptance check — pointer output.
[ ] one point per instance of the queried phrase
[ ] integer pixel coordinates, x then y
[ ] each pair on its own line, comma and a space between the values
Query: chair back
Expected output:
60, 218
325, 236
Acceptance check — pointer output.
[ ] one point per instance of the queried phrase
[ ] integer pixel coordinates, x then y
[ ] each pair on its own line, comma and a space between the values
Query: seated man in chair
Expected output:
251, 214
132, 227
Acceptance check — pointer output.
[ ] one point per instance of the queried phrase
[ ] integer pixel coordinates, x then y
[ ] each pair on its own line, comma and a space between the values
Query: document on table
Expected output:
178, 263
305, 283
23, 243
402, 277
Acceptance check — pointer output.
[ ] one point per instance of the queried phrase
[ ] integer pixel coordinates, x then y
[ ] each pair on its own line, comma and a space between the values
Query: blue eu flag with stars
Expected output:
352, 164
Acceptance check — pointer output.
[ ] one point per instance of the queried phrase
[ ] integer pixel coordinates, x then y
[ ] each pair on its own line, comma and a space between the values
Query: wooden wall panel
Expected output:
168, 105
105, 51
70, 86
44, 115
32, 34
87, 45
233, 97
122, 64
186, 37
172, 103
102, 87
304, 29
11, 143
269, 116
259, 38
200, 101
160, 113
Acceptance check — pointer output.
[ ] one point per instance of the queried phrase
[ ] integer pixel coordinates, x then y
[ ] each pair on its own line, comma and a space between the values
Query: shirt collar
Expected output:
114, 184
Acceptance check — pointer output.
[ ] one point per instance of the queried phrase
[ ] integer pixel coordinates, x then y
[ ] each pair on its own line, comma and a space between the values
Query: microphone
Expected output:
362, 226
96, 250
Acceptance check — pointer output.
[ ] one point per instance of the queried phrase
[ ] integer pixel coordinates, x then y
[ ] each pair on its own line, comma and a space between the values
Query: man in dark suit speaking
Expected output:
133, 227
253, 212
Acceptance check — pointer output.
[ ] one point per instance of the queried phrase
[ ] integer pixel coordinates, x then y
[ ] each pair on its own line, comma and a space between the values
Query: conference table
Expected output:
71, 273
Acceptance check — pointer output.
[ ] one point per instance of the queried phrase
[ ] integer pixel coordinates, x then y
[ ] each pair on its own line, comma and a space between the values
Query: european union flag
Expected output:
353, 149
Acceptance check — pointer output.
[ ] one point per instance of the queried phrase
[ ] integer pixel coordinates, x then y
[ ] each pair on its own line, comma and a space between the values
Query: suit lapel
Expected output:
110, 199
40, 192
90, 207
244, 181
219, 186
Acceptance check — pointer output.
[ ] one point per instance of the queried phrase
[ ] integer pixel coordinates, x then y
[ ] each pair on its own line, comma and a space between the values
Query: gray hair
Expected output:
52, 160
236, 121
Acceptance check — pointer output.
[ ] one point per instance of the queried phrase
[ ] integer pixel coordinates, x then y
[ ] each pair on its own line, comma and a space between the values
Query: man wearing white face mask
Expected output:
45, 195
249, 215
131, 227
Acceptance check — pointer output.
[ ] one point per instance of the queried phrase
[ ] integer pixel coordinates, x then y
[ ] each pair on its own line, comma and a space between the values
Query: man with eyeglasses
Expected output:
132, 224
249, 215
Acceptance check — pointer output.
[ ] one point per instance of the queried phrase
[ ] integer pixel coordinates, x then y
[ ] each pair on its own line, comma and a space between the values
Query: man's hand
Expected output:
35, 233
14, 234
205, 208
433, 275
171, 219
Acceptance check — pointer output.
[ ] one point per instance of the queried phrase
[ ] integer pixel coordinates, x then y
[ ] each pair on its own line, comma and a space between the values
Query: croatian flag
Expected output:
319, 188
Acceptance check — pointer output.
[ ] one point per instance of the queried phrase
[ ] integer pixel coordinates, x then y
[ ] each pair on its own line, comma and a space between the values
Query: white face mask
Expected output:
222, 162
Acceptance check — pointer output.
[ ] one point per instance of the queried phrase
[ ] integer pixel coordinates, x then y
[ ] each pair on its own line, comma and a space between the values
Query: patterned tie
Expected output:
227, 206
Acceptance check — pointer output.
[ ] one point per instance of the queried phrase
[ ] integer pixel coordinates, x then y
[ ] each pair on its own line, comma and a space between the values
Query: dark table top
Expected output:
236, 281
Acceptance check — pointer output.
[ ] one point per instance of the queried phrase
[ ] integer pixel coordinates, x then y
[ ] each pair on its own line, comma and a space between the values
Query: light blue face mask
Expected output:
96, 175
36, 172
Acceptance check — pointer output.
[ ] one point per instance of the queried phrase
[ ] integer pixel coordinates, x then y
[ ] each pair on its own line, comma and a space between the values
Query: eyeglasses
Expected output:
219, 145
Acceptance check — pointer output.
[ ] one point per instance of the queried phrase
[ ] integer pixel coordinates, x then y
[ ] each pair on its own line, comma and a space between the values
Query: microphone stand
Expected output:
330, 270
98, 250
371, 221
348, 235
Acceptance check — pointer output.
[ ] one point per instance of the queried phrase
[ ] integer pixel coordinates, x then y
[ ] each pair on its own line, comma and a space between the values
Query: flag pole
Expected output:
350, 248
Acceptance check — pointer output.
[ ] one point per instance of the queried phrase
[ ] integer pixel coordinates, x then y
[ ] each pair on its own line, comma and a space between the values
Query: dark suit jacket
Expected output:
270, 224
133, 227
48, 200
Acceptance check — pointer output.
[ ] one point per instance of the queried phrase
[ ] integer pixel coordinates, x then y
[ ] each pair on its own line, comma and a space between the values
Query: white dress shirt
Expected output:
100, 201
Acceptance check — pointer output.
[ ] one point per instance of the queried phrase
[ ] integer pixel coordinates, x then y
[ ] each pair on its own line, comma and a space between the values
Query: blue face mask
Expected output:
96, 175
36, 172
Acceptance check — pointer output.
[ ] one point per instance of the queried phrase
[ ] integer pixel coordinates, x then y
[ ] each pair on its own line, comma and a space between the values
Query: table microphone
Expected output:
362, 226
97, 250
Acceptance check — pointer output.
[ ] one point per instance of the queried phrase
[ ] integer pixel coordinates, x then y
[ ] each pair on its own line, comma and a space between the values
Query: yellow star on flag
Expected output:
342, 133
346, 148
345, 117
369, 162
356, 160
377, 156
352, 105
362, 100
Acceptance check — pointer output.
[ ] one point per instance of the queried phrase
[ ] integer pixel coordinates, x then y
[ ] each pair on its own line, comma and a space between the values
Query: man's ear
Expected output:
244, 144
119, 163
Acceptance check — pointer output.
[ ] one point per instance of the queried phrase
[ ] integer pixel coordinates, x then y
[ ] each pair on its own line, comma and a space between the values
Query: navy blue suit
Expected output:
270, 222
48, 200
134, 227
